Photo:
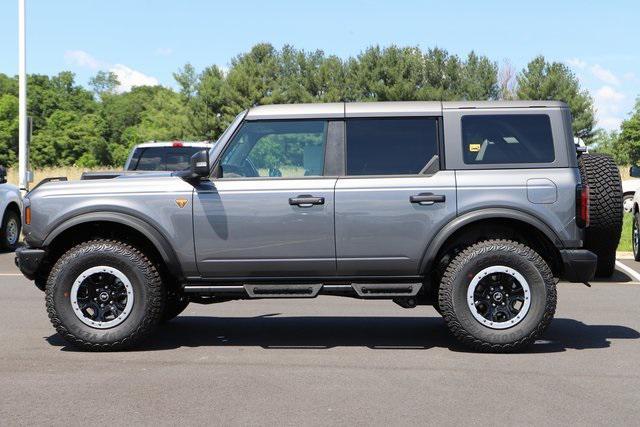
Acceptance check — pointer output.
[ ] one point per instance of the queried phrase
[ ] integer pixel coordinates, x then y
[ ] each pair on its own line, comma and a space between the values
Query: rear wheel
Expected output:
605, 197
104, 295
497, 296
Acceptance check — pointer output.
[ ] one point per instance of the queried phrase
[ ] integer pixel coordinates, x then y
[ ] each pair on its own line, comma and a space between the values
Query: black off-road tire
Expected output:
176, 304
9, 216
457, 314
602, 236
148, 304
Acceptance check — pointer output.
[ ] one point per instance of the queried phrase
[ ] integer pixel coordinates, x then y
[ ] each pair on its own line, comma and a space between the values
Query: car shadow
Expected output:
382, 333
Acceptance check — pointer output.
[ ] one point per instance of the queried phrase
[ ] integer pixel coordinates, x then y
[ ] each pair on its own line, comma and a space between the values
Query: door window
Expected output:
390, 146
283, 148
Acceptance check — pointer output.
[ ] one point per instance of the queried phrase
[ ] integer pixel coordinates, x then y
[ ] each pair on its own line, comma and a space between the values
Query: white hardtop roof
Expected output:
204, 144
381, 109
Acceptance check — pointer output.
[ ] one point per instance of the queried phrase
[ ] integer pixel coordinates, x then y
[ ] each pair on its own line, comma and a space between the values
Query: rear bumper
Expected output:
579, 265
29, 260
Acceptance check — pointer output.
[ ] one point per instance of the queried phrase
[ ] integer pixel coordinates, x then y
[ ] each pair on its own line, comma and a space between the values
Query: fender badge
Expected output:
181, 203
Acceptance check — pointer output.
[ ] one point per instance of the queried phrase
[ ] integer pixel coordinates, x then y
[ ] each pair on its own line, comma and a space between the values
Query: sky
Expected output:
144, 42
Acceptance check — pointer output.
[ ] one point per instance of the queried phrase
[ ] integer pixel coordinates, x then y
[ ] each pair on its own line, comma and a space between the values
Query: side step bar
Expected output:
307, 290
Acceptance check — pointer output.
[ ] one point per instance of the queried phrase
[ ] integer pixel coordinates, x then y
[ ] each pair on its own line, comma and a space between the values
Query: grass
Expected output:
625, 237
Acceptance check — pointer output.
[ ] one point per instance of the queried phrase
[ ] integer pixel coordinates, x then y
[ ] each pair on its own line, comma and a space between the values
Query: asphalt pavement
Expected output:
325, 361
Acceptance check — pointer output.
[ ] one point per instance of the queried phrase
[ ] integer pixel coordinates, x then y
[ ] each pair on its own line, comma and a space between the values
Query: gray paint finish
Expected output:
246, 227
379, 231
478, 189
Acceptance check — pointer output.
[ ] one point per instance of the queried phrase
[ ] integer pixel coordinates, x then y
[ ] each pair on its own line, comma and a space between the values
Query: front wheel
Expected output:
497, 296
10, 231
104, 295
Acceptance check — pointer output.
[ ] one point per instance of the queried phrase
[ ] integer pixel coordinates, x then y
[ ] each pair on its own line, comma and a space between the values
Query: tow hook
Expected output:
587, 284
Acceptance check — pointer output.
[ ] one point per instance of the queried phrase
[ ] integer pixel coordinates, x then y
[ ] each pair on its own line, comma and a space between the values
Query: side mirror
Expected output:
199, 165
3, 175
634, 171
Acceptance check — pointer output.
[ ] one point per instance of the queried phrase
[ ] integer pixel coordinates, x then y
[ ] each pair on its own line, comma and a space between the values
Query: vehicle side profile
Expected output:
10, 213
477, 208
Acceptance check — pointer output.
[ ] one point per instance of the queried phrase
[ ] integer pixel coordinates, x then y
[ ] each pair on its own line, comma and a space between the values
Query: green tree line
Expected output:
96, 126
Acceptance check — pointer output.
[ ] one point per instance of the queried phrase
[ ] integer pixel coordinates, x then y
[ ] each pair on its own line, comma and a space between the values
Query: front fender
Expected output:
159, 241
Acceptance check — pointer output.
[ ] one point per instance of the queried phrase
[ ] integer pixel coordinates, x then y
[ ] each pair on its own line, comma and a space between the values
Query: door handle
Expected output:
427, 198
306, 201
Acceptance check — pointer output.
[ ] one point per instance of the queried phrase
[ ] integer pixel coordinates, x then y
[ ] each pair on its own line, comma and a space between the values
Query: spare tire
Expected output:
602, 236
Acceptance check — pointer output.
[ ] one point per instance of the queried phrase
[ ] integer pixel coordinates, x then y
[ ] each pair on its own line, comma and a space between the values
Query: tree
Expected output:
630, 134
610, 143
541, 80
187, 79
8, 129
104, 83
70, 138
165, 118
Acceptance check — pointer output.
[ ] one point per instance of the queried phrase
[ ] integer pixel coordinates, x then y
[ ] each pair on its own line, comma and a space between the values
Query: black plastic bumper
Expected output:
28, 260
579, 265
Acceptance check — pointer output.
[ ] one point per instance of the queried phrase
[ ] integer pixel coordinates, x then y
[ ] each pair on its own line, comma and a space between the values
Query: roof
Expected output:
204, 144
502, 104
381, 109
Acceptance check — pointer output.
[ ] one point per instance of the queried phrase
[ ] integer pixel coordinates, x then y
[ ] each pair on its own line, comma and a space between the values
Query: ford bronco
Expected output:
477, 208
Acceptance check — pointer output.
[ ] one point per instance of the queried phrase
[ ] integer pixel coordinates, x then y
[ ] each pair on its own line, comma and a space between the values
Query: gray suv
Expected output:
477, 208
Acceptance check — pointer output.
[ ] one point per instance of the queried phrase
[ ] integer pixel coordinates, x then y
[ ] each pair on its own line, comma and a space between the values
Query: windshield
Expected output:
161, 158
220, 142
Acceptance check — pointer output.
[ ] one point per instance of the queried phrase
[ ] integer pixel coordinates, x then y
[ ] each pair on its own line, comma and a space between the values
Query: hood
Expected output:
156, 182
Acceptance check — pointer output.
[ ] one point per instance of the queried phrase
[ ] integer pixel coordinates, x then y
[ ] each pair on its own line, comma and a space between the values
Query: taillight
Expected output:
177, 144
582, 205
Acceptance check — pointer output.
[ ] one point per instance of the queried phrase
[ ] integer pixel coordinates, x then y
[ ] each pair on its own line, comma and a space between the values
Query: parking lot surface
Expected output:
325, 361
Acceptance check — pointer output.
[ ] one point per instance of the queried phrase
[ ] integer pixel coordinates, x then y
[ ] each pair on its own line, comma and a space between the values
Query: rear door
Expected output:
393, 197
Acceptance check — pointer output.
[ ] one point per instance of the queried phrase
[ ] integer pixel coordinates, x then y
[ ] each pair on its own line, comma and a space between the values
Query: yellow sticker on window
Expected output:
474, 148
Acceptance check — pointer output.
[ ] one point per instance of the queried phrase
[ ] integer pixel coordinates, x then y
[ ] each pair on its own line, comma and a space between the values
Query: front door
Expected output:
271, 214
393, 199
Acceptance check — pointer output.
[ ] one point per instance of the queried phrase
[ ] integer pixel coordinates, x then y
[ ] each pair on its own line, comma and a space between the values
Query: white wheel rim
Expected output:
472, 303
627, 204
12, 231
76, 304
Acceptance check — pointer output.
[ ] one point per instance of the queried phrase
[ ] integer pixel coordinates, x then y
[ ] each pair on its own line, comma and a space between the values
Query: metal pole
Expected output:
22, 98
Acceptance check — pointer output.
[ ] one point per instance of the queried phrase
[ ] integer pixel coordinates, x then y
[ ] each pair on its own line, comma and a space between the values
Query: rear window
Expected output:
503, 139
162, 158
390, 146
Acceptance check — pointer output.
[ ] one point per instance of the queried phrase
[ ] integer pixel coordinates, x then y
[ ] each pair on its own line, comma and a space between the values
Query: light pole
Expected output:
22, 100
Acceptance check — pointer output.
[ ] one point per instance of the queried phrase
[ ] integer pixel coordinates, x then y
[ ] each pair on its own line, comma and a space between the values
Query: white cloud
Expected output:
576, 62
129, 78
608, 103
81, 58
164, 51
605, 75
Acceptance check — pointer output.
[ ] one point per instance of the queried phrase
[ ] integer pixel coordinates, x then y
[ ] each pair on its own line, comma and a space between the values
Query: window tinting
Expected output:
500, 139
283, 148
162, 158
398, 146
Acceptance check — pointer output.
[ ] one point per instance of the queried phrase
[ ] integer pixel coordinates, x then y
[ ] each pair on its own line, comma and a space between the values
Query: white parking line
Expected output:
630, 271
10, 274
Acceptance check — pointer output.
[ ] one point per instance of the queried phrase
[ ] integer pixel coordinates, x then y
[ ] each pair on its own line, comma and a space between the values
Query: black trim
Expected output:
470, 217
107, 214
579, 265
28, 260
334, 148
302, 279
